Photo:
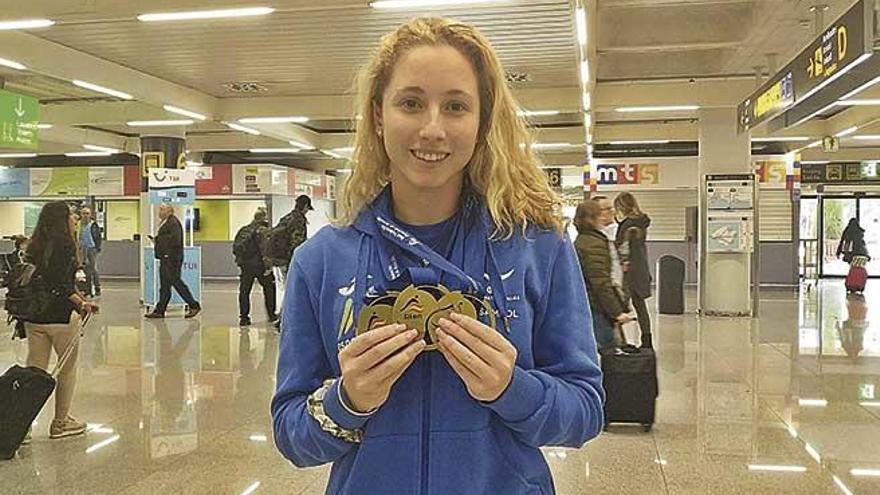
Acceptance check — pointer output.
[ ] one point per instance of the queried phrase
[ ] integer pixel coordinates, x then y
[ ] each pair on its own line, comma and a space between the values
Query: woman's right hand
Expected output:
624, 318
373, 362
89, 307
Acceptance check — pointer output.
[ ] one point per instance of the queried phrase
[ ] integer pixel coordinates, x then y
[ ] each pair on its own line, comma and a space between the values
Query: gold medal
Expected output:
372, 317
412, 307
454, 302
485, 313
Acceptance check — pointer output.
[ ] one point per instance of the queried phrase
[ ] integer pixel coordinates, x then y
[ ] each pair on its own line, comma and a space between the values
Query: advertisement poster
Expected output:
106, 181
15, 182
67, 181
729, 235
729, 194
647, 174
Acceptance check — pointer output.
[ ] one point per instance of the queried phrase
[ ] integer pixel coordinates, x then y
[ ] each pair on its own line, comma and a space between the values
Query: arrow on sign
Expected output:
19, 110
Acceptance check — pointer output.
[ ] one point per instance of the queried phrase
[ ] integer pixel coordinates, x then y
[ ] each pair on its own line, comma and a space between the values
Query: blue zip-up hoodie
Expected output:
431, 437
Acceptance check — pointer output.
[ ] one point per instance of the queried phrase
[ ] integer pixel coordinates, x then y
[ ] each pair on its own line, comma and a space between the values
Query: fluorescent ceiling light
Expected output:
184, 112
588, 120
192, 163
872, 403
88, 153
301, 145
813, 453
537, 113
275, 150
839, 483
847, 132
586, 101
858, 103
205, 14
344, 149
18, 155
860, 88
585, 72
864, 472
251, 489
332, 154
44, 126
102, 89
105, 149
815, 162
273, 120
158, 123
838, 75
102, 444
258, 438
867, 137
782, 139
580, 21
415, 4
548, 146
242, 128
815, 144
812, 402
666, 108
777, 468
11, 64
25, 24
647, 141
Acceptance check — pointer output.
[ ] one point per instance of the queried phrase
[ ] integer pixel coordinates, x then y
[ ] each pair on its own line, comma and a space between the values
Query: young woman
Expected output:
53, 250
631, 234
449, 226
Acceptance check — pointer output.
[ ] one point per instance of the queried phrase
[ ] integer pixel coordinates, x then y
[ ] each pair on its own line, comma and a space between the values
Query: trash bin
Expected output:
670, 285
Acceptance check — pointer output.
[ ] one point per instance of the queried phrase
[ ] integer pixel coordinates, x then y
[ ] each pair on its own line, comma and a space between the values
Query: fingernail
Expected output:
400, 327
411, 333
454, 316
444, 322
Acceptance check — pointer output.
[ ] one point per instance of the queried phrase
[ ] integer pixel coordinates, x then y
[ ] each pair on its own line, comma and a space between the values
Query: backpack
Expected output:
276, 244
246, 246
27, 297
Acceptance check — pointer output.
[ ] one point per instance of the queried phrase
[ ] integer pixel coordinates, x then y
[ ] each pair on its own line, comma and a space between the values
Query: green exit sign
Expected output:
19, 116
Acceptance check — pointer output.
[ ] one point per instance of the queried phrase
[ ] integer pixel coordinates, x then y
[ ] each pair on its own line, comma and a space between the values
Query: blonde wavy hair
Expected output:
503, 169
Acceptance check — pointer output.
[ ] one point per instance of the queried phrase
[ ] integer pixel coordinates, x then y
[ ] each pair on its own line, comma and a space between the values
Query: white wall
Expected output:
241, 213
11, 218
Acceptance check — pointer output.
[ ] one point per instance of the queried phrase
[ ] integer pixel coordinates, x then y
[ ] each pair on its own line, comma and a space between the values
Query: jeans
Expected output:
246, 283
604, 330
90, 267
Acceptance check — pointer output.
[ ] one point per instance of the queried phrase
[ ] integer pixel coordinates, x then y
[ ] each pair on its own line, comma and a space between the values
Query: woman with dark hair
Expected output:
631, 234
52, 250
852, 242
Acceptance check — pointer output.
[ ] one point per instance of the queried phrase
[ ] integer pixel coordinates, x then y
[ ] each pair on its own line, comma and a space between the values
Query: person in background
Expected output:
852, 242
445, 190
53, 251
90, 246
249, 258
295, 225
607, 301
169, 252
631, 234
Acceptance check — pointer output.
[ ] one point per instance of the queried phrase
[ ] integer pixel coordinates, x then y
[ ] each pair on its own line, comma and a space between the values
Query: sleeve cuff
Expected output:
340, 413
523, 397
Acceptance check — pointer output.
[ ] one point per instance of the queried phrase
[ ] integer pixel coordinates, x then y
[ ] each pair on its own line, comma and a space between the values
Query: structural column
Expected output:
726, 278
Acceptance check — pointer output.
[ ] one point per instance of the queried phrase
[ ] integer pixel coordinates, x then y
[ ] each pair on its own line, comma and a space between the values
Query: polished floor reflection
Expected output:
784, 404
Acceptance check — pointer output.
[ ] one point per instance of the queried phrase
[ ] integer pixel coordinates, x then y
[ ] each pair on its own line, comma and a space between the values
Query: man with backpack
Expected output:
291, 231
247, 248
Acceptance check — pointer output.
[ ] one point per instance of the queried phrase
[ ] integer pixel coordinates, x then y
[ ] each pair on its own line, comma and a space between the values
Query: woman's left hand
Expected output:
479, 355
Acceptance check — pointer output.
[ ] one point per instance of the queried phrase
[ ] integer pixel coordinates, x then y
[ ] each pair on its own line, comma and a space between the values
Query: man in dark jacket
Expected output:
246, 248
296, 226
90, 246
169, 252
607, 302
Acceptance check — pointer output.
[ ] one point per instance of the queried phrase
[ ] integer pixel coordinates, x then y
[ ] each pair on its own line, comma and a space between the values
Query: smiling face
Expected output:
429, 119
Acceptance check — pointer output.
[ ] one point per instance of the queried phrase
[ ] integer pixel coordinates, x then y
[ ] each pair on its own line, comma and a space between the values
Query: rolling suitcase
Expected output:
23, 393
856, 279
631, 389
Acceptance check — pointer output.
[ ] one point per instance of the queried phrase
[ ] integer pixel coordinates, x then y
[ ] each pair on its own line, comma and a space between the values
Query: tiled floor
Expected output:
182, 407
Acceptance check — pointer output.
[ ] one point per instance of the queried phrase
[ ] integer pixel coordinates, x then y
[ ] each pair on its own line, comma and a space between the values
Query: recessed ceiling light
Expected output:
205, 14
184, 112
777, 468
242, 128
11, 64
104, 149
415, 4
18, 155
102, 89
661, 108
25, 24
793, 139
158, 123
274, 120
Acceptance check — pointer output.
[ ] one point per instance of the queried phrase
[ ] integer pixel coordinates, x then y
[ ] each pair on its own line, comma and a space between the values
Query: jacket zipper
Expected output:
426, 425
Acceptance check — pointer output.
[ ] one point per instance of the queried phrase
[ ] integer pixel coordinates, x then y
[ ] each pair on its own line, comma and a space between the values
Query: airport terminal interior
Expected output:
747, 130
